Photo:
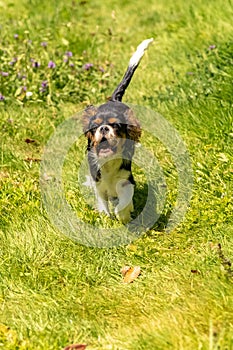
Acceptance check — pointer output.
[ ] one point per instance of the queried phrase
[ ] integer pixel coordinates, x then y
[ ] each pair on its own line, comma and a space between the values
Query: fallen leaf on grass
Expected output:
28, 140
130, 273
75, 347
29, 159
124, 270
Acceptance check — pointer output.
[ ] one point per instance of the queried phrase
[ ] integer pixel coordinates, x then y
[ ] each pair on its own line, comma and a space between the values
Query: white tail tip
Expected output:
135, 59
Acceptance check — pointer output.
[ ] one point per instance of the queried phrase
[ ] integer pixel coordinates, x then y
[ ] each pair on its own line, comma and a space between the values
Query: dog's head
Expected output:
111, 129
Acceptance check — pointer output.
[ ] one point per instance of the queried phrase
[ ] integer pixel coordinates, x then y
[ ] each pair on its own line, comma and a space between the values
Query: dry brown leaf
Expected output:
131, 274
124, 270
29, 159
75, 347
28, 140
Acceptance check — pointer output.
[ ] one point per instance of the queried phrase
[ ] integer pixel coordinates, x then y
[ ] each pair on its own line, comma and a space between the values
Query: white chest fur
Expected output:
114, 183
111, 174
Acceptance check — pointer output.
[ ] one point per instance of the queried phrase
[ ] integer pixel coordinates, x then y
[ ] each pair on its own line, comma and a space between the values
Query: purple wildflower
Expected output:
44, 83
15, 59
212, 47
51, 64
65, 60
44, 86
87, 66
16, 36
101, 69
24, 88
69, 54
44, 44
35, 64
71, 64
2, 98
4, 74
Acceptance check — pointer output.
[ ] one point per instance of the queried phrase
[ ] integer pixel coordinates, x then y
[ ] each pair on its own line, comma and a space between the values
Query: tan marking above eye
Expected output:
98, 120
112, 120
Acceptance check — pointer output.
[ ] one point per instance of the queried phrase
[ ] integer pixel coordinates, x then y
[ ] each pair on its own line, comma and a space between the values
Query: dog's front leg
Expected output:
102, 205
102, 201
125, 191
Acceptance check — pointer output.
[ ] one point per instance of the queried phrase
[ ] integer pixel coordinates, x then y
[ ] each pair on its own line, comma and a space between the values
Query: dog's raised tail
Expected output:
133, 64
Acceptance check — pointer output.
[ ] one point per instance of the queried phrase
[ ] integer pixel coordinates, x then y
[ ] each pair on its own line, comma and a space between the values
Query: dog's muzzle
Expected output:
105, 148
104, 130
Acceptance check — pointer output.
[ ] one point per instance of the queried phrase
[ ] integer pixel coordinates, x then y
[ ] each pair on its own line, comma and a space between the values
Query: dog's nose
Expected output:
104, 129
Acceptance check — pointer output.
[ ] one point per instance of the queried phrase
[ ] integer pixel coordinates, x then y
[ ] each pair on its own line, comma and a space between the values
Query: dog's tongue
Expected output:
105, 151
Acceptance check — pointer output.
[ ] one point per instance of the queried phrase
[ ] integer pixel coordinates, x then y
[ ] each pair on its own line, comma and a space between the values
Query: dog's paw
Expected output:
103, 209
124, 215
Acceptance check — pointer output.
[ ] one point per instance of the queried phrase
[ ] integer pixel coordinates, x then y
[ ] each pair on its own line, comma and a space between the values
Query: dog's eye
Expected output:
93, 127
116, 125
93, 130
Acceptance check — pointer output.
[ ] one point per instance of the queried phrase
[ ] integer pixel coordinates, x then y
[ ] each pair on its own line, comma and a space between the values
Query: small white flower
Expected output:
29, 94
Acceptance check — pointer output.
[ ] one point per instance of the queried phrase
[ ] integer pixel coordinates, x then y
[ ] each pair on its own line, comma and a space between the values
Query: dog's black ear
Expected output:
89, 112
133, 127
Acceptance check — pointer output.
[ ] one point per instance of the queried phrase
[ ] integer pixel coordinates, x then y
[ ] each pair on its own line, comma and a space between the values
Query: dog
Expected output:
112, 131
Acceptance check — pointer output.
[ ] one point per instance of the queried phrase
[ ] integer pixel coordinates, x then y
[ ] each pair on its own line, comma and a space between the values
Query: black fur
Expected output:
120, 90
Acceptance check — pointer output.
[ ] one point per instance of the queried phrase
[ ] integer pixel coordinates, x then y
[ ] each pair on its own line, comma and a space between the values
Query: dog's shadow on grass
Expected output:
141, 200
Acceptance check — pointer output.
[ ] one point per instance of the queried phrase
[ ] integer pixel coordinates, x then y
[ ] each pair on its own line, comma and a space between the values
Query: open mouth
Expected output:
104, 148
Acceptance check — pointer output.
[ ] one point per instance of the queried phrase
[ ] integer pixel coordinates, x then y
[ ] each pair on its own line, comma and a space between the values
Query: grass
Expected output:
55, 291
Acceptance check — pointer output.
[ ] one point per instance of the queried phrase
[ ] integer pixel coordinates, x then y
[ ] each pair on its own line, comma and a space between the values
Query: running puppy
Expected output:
112, 131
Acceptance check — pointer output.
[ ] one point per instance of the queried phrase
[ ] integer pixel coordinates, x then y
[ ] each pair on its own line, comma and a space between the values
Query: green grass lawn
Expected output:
55, 291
